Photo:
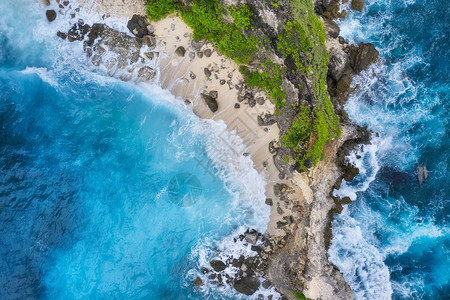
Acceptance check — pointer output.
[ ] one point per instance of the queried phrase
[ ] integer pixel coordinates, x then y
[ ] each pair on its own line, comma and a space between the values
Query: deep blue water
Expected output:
393, 240
107, 190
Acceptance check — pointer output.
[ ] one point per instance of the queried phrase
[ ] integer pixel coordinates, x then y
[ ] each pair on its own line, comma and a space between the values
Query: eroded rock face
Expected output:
363, 56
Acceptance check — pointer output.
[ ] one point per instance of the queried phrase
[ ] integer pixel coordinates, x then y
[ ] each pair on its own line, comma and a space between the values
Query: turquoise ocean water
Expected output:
108, 190
393, 240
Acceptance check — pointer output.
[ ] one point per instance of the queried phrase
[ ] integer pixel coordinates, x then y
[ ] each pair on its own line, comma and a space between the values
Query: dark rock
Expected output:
46, 2
200, 54
211, 102
341, 40
180, 51
138, 26
198, 281
237, 105
78, 31
363, 56
251, 237
269, 201
247, 285
192, 75
66, 3
51, 15
256, 249
208, 52
357, 5
214, 94
309, 163
222, 82
251, 102
218, 265
272, 148
207, 72
266, 284
61, 35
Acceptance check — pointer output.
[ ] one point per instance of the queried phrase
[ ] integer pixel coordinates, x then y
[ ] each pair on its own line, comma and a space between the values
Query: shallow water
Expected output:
393, 240
108, 189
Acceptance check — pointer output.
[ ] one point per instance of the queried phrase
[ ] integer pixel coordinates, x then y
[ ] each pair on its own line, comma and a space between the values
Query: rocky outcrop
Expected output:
117, 53
210, 100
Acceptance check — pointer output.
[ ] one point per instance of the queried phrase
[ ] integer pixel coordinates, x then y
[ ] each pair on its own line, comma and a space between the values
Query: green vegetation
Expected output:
158, 9
269, 80
299, 294
242, 16
301, 41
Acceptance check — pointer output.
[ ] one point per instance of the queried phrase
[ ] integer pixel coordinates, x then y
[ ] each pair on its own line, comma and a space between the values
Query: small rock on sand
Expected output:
207, 72
180, 51
208, 52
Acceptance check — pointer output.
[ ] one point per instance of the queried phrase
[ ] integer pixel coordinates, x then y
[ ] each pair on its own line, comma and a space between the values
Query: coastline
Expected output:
301, 203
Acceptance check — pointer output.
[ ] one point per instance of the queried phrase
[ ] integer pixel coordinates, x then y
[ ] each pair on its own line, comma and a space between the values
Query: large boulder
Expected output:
211, 102
357, 5
138, 26
363, 56
247, 285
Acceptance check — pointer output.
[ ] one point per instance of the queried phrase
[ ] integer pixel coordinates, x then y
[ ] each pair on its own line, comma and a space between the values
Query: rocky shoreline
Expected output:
292, 254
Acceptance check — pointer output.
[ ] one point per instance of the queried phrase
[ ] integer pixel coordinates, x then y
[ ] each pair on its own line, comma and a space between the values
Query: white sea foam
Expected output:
45, 75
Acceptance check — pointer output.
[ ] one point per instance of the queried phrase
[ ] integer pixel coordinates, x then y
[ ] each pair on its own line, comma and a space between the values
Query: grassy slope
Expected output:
303, 40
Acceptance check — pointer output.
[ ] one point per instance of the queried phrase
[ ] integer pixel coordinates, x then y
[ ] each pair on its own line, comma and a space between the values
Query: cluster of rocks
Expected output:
117, 53
244, 274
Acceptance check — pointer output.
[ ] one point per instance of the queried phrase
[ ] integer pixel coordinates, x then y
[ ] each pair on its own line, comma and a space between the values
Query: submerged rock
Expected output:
247, 285
422, 173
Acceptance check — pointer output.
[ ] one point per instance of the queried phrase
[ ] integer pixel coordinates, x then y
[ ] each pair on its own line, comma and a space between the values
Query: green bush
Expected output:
158, 9
242, 16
